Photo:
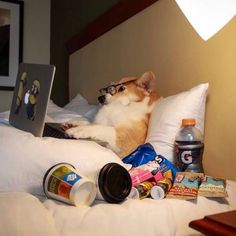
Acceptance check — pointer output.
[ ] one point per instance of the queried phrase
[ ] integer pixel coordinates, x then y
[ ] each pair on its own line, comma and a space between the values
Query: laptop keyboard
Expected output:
55, 133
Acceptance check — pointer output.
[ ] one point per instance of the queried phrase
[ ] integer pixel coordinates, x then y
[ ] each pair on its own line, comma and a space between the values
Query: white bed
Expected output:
26, 211
183, 80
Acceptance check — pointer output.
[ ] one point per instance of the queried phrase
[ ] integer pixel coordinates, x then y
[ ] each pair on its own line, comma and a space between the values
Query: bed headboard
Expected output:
159, 38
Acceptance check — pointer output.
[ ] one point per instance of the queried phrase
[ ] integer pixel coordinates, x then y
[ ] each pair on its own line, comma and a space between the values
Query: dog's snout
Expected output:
102, 99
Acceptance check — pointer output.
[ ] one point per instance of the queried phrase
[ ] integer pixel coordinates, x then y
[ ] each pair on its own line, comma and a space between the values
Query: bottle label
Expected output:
189, 156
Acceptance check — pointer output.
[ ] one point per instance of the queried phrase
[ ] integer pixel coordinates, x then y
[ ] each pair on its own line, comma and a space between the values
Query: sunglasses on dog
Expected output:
112, 89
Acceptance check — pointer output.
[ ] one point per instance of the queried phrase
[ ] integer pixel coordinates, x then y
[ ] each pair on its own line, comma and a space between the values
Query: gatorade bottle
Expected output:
189, 147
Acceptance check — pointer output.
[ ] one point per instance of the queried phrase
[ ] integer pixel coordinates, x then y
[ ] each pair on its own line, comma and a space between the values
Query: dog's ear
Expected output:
147, 81
127, 79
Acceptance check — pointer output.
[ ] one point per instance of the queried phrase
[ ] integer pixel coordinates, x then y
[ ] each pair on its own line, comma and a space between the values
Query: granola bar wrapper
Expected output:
212, 187
186, 185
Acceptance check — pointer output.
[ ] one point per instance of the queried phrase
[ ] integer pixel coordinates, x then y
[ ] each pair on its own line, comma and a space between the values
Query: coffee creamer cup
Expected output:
62, 182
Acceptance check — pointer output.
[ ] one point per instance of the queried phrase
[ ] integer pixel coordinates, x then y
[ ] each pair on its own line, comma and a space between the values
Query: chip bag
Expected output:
146, 157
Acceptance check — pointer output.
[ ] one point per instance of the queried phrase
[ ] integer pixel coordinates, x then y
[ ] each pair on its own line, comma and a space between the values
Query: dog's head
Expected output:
130, 89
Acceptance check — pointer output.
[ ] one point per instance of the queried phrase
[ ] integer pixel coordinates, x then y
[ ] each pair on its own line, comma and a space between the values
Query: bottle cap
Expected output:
114, 183
188, 121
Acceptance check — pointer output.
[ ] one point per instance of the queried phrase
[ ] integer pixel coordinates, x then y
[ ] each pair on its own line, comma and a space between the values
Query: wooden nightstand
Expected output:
222, 224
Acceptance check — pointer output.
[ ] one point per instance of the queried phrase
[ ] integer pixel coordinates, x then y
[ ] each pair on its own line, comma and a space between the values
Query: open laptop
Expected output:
30, 100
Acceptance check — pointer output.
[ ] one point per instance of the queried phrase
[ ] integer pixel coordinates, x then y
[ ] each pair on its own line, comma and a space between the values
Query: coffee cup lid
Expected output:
114, 183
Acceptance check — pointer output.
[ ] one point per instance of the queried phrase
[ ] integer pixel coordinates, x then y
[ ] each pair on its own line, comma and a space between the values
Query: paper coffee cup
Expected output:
62, 182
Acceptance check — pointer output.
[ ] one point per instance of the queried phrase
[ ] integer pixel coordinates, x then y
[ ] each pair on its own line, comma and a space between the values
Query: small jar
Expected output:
160, 190
142, 190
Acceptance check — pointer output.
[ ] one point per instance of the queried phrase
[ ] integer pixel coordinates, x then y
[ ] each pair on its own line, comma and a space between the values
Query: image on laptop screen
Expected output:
31, 96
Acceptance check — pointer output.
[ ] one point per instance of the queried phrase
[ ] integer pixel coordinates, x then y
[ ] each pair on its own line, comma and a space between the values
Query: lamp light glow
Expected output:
208, 16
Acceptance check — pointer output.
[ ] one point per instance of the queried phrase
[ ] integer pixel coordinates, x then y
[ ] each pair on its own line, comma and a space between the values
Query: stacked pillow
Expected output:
166, 118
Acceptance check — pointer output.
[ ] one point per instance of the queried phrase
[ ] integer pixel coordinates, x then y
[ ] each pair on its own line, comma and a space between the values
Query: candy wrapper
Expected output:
186, 185
212, 187
145, 172
145, 158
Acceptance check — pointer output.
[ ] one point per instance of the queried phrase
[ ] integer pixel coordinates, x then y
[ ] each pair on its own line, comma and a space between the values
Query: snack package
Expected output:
145, 157
212, 187
167, 169
145, 172
141, 155
186, 185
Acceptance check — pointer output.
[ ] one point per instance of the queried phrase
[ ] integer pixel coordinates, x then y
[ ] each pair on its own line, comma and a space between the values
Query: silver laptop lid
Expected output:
31, 96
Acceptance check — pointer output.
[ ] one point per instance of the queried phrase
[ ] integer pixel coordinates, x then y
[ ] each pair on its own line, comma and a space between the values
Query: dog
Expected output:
122, 121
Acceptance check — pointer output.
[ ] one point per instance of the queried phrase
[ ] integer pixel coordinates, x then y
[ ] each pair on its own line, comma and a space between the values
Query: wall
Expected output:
68, 18
161, 39
36, 39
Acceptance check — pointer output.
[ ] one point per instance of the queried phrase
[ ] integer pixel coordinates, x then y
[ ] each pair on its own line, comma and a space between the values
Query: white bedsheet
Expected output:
138, 217
24, 160
22, 214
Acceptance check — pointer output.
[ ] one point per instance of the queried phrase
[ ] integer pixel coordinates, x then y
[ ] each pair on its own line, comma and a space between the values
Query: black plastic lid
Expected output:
114, 183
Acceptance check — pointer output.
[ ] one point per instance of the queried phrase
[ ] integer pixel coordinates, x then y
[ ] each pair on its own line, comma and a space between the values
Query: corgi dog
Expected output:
122, 121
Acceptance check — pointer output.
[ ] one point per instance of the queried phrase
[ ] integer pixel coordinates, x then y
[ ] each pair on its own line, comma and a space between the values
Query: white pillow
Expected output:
59, 114
25, 159
166, 118
81, 106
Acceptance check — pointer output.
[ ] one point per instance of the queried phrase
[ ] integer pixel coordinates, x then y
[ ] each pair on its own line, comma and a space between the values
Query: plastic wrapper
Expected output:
145, 157
143, 154
212, 187
144, 173
186, 185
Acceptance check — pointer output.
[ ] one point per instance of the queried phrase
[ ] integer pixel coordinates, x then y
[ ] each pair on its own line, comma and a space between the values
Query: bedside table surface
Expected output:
218, 224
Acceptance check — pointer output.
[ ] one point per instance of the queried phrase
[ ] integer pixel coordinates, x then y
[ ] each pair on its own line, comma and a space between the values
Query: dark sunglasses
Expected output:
112, 89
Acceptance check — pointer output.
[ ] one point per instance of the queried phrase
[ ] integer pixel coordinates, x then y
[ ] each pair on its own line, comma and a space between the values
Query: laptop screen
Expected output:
31, 95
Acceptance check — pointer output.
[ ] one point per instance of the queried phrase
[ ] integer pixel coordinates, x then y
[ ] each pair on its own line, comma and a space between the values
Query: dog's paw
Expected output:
74, 123
78, 132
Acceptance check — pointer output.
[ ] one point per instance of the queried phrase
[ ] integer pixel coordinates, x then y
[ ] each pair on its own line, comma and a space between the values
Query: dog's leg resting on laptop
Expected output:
102, 133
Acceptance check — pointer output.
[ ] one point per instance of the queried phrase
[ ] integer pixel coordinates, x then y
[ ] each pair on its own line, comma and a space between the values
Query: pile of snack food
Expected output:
154, 176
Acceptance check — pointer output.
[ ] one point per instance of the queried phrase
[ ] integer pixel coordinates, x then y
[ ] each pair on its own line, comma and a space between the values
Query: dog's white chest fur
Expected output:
123, 119
116, 113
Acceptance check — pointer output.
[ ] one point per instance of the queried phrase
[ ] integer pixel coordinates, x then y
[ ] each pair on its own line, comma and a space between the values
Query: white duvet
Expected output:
24, 214
25, 210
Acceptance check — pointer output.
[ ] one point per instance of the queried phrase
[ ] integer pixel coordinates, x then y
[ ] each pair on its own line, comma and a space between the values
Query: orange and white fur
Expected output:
122, 121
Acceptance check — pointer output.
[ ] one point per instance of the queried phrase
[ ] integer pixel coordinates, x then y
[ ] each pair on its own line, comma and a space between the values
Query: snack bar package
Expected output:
212, 187
186, 185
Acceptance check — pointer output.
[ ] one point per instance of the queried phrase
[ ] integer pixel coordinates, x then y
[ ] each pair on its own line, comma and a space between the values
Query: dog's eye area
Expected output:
112, 89
121, 88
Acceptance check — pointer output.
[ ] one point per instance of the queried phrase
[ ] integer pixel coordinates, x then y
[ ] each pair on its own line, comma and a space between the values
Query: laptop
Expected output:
30, 100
